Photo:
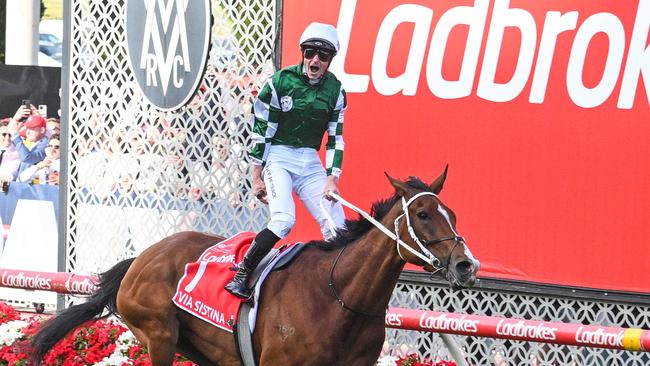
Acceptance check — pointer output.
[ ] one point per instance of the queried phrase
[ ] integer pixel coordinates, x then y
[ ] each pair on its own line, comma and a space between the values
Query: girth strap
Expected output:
244, 336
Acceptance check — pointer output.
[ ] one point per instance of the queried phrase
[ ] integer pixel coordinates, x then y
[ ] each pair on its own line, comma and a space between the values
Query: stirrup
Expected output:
239, 290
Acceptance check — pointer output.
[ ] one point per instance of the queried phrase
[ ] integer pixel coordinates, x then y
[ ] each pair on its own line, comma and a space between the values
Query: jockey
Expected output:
293, 111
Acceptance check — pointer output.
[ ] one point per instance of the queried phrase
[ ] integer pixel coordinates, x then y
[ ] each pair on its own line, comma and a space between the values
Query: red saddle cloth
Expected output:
200, 291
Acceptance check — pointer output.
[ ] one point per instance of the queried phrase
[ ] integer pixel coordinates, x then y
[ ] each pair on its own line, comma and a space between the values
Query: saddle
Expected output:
242, 331
288, 257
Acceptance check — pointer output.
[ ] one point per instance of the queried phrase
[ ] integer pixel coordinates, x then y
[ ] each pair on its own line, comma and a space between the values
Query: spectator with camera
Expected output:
47, 170
9, 159
28, 137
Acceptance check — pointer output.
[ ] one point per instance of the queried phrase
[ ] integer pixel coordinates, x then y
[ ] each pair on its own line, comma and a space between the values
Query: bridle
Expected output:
425, 254
430, 257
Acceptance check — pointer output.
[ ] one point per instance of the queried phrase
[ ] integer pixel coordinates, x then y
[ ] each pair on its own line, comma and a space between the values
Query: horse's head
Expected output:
428, 227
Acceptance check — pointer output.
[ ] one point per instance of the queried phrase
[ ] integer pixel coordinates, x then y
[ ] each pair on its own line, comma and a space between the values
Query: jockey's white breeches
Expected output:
299, 170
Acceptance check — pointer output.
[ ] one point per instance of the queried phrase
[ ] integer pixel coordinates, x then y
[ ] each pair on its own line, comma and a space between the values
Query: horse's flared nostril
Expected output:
464, 268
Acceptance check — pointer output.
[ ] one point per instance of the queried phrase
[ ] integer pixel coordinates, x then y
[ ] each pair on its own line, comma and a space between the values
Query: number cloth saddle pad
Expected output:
201, 291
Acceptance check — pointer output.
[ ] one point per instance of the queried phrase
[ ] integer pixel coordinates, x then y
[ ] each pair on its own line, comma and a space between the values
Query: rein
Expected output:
332, 287
425, 255
433, 260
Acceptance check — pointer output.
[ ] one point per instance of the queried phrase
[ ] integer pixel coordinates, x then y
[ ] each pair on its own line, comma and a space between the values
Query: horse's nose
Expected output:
465, 269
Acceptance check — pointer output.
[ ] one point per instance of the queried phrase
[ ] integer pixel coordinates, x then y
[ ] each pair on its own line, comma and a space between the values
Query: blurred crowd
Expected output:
196, 153
29, 148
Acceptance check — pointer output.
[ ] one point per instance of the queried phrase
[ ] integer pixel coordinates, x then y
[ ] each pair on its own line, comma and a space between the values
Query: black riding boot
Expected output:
262, 245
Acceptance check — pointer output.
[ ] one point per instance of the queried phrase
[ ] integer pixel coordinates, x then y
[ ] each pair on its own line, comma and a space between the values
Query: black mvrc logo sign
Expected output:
167, 44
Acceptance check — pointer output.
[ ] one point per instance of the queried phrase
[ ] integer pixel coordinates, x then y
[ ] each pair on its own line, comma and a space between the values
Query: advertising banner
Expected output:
540, 108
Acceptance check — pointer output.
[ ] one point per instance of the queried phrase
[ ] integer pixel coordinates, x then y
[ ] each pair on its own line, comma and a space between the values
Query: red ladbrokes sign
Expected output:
535, 54
633, 339
540, 108
61, 282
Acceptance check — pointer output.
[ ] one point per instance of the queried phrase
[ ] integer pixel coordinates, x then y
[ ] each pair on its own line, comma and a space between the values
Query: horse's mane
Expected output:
355, 229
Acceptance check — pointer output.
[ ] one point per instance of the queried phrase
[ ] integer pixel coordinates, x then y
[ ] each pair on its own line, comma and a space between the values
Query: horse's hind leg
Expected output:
154, 323
160, 338
189, 351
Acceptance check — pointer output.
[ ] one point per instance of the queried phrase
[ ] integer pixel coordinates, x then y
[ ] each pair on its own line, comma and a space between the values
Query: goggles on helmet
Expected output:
323, 55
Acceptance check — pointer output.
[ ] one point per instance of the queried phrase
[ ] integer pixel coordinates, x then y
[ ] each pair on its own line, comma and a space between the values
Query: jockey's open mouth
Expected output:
314, 69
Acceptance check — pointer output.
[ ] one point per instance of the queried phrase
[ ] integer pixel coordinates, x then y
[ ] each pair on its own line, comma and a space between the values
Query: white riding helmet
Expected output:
320, 35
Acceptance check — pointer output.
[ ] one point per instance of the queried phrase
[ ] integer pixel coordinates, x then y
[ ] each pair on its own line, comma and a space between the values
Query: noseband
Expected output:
431, 259
425, 254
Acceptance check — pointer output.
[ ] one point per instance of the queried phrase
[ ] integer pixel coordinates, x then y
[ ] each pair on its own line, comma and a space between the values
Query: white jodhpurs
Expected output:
297, 170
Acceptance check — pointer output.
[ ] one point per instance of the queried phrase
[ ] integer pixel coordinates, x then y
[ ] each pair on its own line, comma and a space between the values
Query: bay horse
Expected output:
327, 308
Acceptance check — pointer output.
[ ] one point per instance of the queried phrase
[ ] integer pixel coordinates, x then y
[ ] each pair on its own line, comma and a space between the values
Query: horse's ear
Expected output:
437, 184
400, 187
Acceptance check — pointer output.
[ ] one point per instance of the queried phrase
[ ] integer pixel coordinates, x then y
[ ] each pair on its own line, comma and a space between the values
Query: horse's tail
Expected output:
59, 326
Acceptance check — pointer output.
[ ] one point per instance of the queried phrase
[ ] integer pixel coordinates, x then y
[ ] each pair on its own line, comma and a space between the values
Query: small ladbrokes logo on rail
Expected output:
168, 42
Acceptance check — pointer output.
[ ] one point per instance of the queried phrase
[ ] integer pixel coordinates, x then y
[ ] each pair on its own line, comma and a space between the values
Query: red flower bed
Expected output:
89, 344
413, 359
7, 313
86, 345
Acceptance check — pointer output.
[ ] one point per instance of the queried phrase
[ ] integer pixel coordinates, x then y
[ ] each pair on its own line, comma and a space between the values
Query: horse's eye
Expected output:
422, 215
